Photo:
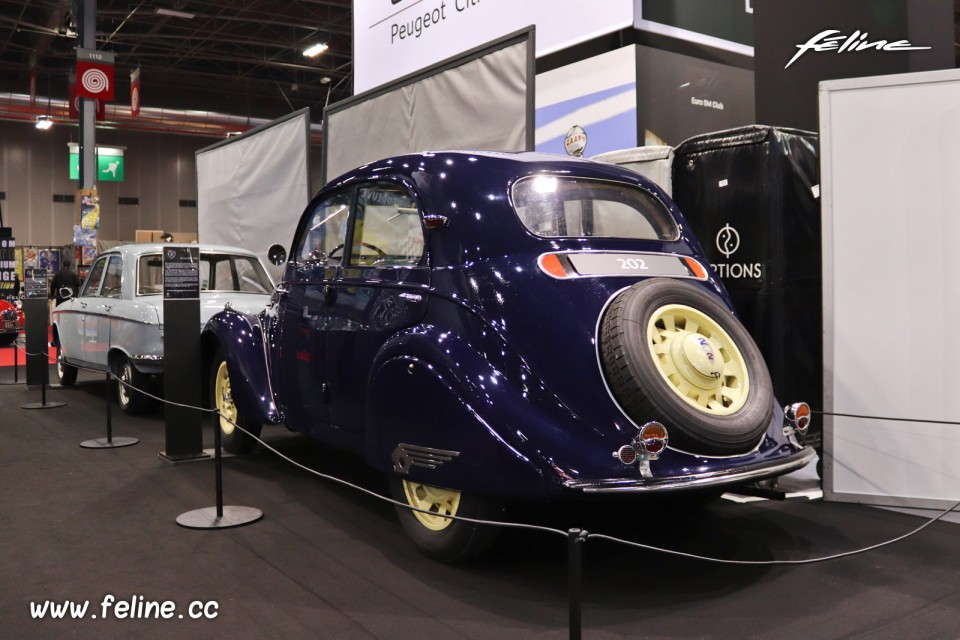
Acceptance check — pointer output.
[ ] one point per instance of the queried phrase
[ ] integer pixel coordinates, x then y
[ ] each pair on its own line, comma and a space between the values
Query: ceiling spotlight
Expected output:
160, 11
325, 80
44, 123
315, 50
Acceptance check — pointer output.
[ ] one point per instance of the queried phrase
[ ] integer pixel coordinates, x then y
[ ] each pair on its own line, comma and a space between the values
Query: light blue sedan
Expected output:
115, 322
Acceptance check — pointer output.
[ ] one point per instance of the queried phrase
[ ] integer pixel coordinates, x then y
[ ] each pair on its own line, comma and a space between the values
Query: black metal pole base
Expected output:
207, 518
43, 405
104, 443
176, 459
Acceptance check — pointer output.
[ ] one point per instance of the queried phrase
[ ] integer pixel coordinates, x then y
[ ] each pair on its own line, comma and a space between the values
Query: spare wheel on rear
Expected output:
673, 352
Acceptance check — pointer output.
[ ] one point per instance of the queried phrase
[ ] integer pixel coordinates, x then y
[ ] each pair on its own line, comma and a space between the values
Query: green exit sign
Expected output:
109, 163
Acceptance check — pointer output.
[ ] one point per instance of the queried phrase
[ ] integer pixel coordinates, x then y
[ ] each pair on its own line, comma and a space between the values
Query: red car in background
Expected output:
11, 322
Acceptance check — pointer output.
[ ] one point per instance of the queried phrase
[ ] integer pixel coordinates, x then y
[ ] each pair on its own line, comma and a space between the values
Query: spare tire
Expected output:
673, 352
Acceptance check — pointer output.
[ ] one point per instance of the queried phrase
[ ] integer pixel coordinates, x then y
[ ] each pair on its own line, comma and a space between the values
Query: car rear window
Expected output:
558, 206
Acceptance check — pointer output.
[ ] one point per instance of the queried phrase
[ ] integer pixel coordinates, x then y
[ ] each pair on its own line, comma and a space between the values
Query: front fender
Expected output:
240, 338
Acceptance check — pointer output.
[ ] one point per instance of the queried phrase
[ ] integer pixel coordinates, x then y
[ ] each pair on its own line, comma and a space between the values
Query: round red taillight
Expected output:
798, 414
653, 437
654, 445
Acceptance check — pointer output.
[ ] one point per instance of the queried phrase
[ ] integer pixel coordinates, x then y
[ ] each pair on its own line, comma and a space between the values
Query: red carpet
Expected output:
6, 353
6, 356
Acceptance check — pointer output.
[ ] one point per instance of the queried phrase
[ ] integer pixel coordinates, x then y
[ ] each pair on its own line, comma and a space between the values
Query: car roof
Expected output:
157, 247
472, 190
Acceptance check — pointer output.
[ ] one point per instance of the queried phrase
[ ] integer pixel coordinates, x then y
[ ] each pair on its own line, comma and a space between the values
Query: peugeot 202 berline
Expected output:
491, 326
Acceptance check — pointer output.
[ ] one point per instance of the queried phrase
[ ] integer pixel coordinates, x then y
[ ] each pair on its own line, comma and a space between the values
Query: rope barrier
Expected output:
542, 529
590, 536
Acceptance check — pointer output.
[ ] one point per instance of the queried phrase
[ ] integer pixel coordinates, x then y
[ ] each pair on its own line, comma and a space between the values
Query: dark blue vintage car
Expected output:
488, 326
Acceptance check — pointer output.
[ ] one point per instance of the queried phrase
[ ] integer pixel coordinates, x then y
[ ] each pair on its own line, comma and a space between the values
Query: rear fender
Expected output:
434, 391
240, 337
425, 430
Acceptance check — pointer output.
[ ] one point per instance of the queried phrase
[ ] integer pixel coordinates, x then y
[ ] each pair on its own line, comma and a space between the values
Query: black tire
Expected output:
455, 540
66, 374
644, 337
221, 398
7, 339
131, 401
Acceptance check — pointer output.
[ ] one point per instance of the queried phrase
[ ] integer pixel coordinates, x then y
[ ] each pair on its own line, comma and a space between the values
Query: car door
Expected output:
379, 290
100, 310
301, 304
71, 315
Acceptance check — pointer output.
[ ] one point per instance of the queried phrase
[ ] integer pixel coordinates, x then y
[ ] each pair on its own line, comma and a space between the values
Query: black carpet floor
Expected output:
326, 561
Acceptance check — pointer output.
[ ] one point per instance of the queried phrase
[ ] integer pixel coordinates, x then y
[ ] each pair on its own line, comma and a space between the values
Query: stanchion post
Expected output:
43, 404
575, 540
109, 409
16, 365
218, 463
109, 442
219, 516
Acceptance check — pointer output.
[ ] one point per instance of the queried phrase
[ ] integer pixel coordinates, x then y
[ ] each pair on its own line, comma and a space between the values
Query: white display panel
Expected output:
392, 40
890, 161
599, 94
252, 189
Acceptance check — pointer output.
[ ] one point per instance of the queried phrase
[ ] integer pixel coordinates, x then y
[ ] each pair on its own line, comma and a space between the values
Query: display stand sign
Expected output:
8, 270
181, 353
35, 325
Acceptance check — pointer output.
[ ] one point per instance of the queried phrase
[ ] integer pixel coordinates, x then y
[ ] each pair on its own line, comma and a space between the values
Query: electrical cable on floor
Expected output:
542, 529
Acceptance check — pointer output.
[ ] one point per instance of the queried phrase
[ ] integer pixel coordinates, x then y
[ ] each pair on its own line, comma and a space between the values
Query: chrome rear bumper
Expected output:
758, 471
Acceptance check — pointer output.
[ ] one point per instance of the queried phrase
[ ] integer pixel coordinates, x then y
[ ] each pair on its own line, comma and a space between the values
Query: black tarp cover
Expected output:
751, 196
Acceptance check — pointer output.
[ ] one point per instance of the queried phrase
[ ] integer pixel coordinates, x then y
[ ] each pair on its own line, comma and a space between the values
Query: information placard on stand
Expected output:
35, 325
181, 354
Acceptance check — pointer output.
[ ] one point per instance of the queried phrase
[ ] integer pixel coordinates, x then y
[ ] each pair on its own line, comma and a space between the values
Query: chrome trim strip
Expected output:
148, 358
278, 414
756, 471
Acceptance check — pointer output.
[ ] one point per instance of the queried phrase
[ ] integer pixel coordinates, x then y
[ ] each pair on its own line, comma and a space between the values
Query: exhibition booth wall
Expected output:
480, 99
253, 187
890, 298
39, 199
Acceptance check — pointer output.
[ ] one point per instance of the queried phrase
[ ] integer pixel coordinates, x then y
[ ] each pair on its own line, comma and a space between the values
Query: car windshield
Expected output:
557, 206
218, 272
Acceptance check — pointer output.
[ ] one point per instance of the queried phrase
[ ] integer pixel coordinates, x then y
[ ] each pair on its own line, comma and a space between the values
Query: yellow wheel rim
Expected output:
224, 399
698, 359
442, 502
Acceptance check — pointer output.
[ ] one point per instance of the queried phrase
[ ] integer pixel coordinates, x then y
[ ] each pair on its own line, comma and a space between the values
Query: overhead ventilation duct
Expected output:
16, 107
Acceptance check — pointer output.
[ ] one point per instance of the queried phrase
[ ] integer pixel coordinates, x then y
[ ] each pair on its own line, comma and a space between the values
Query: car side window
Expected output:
387, 230
92, 286
324, 236
112, 278
150, 275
